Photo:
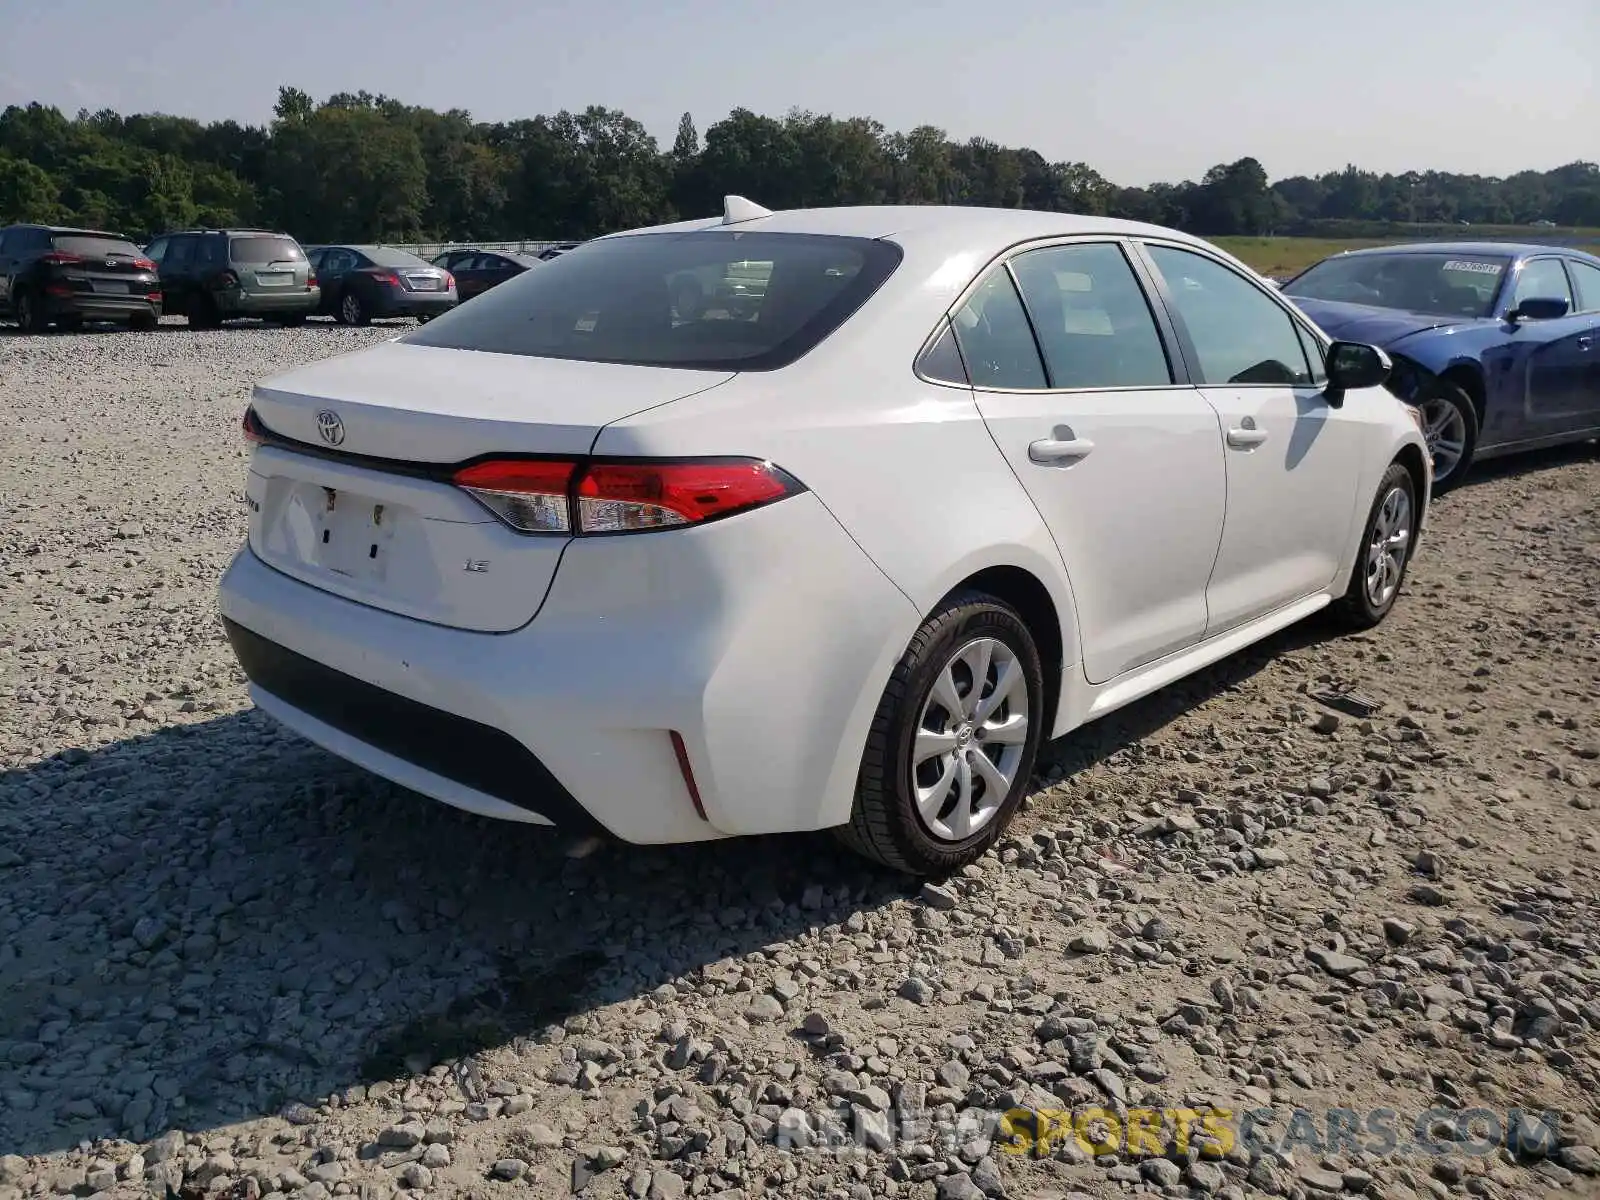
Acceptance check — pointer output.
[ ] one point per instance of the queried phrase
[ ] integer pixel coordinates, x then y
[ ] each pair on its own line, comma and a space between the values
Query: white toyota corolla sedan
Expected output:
806, 520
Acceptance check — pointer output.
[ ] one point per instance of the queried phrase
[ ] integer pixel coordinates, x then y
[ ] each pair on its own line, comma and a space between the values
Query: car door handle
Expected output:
1585, 341
1055, 450
1246, 438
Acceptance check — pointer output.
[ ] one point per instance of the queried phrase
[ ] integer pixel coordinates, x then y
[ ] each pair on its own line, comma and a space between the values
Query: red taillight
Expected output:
143, 264
607, 497
388, 277
449, 281
311, 280
530, 496
58, 289
153, 296
687, 771
252, 427
621, 497
60, 260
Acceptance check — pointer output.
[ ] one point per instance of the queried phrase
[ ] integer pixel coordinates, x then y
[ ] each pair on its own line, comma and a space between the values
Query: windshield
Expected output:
264, 250
95, 245
1442, 284
707, 300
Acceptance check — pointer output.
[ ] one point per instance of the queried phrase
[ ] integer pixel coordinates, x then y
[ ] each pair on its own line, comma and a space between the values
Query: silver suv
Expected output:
210, 275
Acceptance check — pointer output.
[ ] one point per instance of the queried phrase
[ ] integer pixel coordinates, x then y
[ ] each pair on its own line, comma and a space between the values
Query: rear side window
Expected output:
1093, 322
941, 361
90, 245
258, 250
388, 256
1541, 279
706, 300
1586, 282
996, 343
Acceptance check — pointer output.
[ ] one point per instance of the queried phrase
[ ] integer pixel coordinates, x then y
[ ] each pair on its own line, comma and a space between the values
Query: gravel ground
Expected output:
232, 966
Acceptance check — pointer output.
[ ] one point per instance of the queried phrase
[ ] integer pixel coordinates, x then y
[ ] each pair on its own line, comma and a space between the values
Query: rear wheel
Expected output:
30, 313
1386, 544
202, 313
952, 747
1450, 425
352, 311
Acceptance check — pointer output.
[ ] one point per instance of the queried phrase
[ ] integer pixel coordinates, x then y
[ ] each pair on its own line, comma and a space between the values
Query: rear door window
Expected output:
996, 341
91, 245
1586, 282
258, 250
705, 300
181, 252
1094, 325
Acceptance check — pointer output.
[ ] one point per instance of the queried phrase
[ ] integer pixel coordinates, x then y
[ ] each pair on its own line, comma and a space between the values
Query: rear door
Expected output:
1120, 455
177, 272
1293, 460
1586, 293
10, 241
333, 273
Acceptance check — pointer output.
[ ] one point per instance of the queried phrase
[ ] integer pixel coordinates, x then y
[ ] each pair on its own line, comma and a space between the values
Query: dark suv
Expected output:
209, 275
51, 275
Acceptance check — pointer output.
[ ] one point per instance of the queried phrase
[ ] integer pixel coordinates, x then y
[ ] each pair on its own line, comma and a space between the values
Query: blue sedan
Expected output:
1498, 344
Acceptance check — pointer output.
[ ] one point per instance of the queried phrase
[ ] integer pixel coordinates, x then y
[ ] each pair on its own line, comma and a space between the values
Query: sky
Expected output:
1141, 90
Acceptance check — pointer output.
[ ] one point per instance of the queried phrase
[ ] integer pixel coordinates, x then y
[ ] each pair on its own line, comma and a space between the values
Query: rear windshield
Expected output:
1438, 284
709, 300
264, 250
94, 245
388, 256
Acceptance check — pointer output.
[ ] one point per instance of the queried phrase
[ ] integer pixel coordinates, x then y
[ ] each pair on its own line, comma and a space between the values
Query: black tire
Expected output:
352, 310
885, 825
30, 313
202, 312
1446, 392
1358, 608
142, 322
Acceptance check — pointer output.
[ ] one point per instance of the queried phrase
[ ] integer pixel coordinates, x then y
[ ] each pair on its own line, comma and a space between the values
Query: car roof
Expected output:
960, 226
76, 230
1497, 249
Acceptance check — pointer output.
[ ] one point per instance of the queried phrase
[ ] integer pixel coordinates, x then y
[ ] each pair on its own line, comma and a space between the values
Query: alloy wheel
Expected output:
1445, 430
970, 739
1388, 546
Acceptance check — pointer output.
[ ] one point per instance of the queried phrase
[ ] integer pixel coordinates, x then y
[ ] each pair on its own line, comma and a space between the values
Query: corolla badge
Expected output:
330, 427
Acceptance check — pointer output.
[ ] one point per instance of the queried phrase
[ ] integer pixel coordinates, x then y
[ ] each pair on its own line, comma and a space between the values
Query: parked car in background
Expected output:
1498, 344
476, 271
971, 478
557, 250
363, 282
214, 275
52, 275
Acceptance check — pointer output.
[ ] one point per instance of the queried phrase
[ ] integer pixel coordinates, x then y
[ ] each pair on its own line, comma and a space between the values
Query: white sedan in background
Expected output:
959, 482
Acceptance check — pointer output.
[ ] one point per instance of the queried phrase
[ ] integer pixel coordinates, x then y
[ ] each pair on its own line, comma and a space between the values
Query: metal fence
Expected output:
430, 249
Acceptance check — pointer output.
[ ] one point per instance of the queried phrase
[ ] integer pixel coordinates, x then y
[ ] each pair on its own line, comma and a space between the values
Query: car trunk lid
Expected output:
269, 264
102, 265
352, 492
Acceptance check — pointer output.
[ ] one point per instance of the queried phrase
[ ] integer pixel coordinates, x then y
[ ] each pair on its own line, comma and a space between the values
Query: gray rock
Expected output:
764, 1008
1340, 966
1090, 941
942, 898
916, 990
1162, 1172
508, 1169
664, 1185
957, 1187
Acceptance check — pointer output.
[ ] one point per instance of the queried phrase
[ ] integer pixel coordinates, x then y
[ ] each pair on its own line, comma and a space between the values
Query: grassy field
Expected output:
1285, 256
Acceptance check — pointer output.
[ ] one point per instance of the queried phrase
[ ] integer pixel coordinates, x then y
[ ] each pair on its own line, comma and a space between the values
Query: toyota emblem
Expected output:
330, 427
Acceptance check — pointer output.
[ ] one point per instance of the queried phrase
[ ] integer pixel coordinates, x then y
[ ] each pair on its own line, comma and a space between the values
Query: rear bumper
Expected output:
764, 641
401, 303
98, 307
250, 304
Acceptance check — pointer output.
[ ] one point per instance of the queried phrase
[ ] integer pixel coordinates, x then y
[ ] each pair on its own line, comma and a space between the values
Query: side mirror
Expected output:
1539, 308
1353, 365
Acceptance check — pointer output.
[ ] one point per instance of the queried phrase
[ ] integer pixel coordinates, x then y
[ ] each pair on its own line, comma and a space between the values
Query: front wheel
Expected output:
1450, 425
1386, 545
952, 747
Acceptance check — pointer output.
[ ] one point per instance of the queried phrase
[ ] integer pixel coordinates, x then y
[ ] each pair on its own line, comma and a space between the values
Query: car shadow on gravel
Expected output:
201, 925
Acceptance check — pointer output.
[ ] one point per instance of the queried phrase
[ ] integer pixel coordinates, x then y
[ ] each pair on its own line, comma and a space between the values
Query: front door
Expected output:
1292, 458
1121, 459
1557, 354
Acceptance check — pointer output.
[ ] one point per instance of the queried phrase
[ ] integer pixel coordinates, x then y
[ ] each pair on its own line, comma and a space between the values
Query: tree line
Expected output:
360, 167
